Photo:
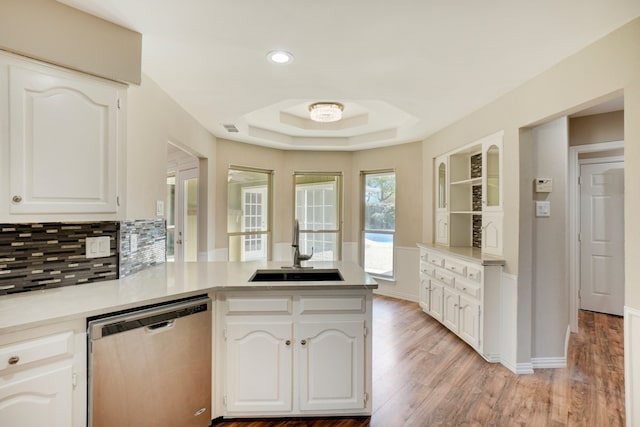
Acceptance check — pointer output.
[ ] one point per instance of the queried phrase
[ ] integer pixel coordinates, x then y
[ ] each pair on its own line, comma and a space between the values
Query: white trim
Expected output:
573, 222
567, 338
632, 365
548, 362
524, 368
508, 334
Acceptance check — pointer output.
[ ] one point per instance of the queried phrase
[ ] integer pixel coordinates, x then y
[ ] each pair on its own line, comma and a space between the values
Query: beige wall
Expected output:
53, 32
154, 120
614, 70
596, 128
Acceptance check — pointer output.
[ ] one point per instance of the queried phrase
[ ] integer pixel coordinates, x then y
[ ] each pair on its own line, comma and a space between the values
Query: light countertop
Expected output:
474, 255
155, 285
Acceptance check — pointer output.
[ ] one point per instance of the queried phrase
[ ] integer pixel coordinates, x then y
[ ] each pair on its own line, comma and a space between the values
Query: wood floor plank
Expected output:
423, 375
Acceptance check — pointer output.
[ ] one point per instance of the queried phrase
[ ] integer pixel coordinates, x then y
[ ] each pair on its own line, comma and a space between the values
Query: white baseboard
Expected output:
398, 295
220, 254
548, 362
632, 365
524, 369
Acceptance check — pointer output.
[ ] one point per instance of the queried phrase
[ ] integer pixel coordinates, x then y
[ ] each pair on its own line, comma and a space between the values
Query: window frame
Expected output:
363, 230
339, 204
268, 232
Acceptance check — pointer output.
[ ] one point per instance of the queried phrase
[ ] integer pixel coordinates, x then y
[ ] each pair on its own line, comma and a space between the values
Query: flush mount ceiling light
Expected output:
326, 112
279, 57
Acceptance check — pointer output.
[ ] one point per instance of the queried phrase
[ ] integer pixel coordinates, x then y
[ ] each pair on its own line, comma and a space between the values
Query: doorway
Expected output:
596, 276
182, 205
601, 236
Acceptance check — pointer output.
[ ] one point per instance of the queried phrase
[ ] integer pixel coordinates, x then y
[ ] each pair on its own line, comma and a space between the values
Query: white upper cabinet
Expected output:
63, 134
468, 187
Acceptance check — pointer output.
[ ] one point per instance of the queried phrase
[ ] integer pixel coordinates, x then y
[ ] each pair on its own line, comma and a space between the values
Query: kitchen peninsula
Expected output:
280, 348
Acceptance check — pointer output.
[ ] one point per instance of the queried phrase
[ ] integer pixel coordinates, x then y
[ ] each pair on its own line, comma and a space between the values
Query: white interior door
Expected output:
186, 216
602, 237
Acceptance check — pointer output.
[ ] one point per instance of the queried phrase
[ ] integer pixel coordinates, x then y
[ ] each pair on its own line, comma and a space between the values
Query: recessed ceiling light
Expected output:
280, 57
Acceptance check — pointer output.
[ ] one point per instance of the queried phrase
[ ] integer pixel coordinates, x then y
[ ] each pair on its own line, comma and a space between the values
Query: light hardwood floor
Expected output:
423, 375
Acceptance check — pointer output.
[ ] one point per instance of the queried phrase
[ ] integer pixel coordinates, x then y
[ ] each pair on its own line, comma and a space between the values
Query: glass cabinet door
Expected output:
441, 202
492, 178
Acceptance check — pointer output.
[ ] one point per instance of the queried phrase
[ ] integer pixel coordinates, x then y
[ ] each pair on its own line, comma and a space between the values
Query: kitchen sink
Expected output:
297, 275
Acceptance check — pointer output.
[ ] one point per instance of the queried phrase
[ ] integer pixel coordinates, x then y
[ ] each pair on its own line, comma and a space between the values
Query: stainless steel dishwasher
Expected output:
151, 367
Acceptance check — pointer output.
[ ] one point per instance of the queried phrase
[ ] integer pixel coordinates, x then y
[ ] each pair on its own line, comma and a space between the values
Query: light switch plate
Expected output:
159, 208
133, 243
97, 247
543, 208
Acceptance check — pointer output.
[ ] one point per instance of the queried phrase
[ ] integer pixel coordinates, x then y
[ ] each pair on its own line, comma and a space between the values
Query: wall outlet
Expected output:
133, 243
97, 247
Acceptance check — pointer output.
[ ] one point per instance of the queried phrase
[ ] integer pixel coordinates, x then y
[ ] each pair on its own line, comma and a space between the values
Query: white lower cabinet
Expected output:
259, 366
331, 365
42, 378
463, 294
304, 353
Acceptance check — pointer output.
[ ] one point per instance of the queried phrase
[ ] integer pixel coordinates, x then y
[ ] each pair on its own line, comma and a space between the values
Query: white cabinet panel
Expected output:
436, 309
63, 142
469, 321
38, 398
259, 366
451, 315
331, 368
492, 233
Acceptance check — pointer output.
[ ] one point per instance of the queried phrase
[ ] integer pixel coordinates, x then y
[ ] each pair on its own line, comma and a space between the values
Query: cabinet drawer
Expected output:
474, 274
436, 260
445, 278
338, 304
427, 270
455, 267
469, 289
280, 305
36, 350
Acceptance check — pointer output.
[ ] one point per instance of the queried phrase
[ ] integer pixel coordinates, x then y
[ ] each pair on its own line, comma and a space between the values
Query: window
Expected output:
378, 222
248, 214
317, 203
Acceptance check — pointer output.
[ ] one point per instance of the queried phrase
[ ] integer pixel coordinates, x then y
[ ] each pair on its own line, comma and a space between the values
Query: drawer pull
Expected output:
13, 360
287, 343
303, 342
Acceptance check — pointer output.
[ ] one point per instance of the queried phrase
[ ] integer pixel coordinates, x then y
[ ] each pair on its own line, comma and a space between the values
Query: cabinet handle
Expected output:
17, 199
13, 360
303, 342
287, 343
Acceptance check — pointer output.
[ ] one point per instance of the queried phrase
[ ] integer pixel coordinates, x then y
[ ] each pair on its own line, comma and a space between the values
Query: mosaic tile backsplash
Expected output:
49, 255
151, 241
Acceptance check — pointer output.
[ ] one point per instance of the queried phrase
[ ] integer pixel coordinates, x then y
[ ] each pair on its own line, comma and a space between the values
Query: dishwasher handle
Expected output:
159, 326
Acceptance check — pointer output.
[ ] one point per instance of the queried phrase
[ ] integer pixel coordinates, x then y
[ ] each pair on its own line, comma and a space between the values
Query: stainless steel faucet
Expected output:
297, 256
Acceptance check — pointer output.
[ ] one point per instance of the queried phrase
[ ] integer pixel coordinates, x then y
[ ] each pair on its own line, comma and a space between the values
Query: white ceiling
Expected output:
404, 69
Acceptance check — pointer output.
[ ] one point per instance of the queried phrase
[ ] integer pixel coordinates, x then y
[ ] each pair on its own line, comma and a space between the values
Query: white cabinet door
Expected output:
451, 312
492, 233
436, 306
38, 398
469, 321
425, 291
492, 174
332, 371
442, 228
62, 142
442, 183
259, 367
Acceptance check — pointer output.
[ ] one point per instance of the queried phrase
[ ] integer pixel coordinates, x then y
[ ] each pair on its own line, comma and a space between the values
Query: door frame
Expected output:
574, 220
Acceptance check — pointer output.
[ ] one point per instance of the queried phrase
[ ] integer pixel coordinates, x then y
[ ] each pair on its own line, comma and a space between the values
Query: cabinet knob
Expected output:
303, 342
17, 199
13, 360
287, 343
